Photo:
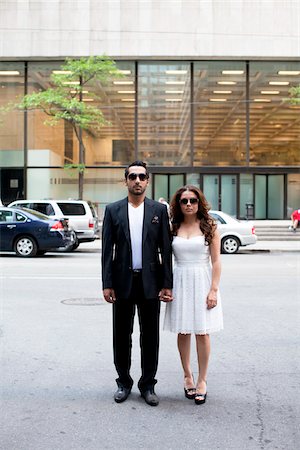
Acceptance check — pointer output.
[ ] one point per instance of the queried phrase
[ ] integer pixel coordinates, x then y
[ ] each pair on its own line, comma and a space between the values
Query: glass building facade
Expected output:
226, 126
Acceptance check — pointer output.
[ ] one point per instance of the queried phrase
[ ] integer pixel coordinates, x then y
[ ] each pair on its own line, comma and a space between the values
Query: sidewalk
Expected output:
272, 246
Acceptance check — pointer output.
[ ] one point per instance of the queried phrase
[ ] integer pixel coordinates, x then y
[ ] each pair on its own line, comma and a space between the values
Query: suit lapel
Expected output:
148, 214
123, 216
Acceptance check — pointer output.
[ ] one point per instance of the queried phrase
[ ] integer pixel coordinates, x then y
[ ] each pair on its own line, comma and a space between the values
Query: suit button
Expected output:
130, 268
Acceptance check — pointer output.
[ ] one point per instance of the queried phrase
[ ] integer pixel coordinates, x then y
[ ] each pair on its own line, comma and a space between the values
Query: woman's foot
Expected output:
201, 393
189, 387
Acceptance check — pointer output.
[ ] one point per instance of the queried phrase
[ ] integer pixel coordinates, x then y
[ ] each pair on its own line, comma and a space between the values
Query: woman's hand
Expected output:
211, 299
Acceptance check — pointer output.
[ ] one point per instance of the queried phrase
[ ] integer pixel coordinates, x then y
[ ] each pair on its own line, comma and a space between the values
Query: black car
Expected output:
30, 233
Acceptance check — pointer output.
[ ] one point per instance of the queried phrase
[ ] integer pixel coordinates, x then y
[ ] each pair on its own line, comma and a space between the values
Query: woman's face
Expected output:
189, 203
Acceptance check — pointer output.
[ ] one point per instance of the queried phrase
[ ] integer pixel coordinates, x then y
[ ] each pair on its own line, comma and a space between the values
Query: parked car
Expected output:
234, 233
82, 216
29, 233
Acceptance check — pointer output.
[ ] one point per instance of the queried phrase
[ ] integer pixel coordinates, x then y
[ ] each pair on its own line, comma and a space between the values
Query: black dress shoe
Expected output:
150, 397
121, 394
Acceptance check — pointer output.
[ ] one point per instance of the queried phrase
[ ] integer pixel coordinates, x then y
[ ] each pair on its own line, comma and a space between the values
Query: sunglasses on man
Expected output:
193, 201
134, 176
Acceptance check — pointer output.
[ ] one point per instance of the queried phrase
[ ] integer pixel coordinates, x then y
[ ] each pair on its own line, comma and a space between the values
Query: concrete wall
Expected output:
157, 28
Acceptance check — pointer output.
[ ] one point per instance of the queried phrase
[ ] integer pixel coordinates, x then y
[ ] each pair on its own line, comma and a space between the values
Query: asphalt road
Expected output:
57, 374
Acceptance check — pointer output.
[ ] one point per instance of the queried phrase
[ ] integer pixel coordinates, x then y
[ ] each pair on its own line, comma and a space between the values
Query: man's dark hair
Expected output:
136, 163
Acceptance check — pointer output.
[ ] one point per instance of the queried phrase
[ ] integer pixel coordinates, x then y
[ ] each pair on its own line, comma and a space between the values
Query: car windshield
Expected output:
72, 209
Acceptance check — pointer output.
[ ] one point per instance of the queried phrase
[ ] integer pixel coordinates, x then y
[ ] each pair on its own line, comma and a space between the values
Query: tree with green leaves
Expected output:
59, 102
295, 95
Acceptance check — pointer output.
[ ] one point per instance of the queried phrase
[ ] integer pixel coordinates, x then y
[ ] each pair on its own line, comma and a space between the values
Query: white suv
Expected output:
81, 215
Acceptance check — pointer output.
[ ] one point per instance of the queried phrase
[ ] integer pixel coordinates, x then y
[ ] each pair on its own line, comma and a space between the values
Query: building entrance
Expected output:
11, 185
165, 185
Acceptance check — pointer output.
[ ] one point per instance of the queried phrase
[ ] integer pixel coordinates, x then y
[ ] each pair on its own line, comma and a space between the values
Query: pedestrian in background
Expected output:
196, 308
136, 272
295, 218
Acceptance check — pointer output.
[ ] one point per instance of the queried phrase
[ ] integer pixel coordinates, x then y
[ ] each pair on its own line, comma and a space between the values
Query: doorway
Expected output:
165, 185
269, 196
11, 185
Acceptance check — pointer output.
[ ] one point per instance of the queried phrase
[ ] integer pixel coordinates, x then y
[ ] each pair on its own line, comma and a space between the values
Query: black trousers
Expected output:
123, 319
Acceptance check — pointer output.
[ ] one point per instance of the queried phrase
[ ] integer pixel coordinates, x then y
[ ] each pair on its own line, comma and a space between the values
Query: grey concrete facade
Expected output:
143, 29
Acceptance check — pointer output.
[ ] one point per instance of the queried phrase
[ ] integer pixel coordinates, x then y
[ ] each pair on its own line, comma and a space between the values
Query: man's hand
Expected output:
165, 295
109, 295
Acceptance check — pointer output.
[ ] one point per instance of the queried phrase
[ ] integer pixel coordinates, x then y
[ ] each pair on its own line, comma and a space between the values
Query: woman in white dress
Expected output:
196, 308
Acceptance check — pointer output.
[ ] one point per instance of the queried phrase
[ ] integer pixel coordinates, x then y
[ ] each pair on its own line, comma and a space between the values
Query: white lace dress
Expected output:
188, 312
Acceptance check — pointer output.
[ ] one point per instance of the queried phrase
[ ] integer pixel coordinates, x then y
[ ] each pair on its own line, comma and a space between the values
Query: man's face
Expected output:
135, 185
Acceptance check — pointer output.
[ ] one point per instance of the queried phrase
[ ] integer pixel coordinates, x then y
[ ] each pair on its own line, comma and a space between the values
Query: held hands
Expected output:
165, 295
211, 299
109, 295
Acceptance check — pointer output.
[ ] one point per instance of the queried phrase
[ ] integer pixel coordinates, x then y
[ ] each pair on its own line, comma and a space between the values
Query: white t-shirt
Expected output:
136, 219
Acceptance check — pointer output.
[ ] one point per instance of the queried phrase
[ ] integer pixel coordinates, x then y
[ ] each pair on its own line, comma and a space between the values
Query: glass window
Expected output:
103, 186
275, 196
52, 183
20, 218
6, 216
194, 179
72, 209
211, 190
114, 143
12, 122
228, 194
164, 113
45, 208
47, 145
260, 196
219, 113
274, 122
246, 194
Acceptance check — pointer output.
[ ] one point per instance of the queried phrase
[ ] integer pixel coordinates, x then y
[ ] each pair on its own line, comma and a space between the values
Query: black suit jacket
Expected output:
117, 254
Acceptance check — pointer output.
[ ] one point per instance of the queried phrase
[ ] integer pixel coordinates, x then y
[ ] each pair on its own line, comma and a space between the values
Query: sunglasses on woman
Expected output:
193, 201
134, 176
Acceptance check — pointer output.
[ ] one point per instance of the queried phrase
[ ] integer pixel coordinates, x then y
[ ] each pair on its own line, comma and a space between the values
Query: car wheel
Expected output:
25, 246
230, 244
74, 246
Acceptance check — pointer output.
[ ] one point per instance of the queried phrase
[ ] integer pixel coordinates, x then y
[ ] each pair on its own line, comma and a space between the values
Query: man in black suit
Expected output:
136, 271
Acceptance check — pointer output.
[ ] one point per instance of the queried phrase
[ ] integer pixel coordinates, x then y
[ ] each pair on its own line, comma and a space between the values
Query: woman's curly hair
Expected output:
207, 223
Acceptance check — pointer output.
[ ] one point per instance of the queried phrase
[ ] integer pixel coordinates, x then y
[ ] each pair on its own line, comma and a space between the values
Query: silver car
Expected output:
234, 233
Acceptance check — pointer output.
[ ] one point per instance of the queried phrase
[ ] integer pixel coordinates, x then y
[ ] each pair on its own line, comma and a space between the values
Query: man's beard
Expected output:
137, 193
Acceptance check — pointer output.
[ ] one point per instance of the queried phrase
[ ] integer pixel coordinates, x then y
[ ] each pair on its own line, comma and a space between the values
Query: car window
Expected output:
72, 209
6, 216
93, 210
21, 205
217, 218
44, 208
20, 217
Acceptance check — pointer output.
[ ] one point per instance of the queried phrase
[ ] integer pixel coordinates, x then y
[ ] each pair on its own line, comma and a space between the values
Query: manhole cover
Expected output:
84, 301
